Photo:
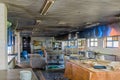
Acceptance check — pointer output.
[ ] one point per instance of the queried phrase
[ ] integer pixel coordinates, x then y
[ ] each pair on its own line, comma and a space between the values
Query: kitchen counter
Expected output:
89, 65
14, 74
83, 70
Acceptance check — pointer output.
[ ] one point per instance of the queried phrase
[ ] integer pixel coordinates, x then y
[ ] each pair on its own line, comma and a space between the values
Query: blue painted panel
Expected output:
9, 36
97, 31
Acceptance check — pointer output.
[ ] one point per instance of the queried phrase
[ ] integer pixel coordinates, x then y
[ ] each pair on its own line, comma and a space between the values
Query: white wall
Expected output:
18, 45
3, 37
101, 49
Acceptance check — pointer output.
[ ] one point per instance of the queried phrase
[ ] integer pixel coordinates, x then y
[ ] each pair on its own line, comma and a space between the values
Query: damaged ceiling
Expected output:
57, 17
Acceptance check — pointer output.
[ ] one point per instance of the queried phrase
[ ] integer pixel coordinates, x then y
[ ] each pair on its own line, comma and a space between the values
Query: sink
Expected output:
99, 67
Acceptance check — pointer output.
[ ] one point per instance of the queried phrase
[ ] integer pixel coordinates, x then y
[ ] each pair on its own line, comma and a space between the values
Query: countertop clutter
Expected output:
84, 70
96, 62
90, 65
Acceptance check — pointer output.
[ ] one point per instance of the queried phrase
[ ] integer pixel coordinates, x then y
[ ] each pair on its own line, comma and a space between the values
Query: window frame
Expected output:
112, 41
81, 42
94, 41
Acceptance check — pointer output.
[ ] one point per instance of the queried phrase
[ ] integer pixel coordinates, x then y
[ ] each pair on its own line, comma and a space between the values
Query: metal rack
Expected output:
55, 61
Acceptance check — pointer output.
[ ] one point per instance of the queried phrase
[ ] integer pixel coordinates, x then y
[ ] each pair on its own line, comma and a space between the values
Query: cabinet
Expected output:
80, 73
55, 61
68, 70
75, 72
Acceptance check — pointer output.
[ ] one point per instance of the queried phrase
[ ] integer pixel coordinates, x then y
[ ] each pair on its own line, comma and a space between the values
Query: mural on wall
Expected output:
115, 29
100, 31
97, 31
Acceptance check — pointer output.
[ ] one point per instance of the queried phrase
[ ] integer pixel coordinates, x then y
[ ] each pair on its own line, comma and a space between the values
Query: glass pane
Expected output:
72, 43
96, 39
88, 42
115, 44
92, 43
68, 43
79, 44
82, 42
115, 38
76, 43
109, 44
96, 44
79, 40
9, 50
91, 39
65, 43
109, 38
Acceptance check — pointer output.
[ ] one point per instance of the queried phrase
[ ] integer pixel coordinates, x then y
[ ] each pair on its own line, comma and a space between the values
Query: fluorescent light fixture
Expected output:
46, 7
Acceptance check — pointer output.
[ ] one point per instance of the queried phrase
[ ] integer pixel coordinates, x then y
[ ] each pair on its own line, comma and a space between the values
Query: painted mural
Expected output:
97, 31
115, 29
100, 31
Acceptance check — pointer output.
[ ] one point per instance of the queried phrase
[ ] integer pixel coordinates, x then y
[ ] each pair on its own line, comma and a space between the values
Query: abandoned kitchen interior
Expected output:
60, 39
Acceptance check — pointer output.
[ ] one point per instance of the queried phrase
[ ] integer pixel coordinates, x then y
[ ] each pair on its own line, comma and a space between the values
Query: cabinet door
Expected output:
68, 70
80, 73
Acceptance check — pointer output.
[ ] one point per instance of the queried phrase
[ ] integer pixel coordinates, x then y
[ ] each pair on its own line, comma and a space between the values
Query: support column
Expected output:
3, 37
18, 46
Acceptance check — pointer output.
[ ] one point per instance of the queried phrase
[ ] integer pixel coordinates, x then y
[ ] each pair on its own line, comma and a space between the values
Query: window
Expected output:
9, 50
81, 43
65, 43
112, 42
76, 43
93, 42
72, 43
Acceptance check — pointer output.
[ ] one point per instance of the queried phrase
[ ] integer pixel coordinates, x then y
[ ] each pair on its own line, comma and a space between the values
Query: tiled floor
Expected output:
43, 74
50, 75
54, 75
